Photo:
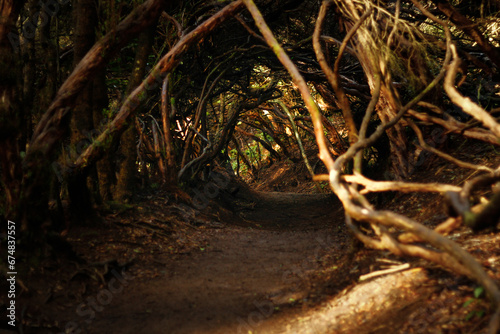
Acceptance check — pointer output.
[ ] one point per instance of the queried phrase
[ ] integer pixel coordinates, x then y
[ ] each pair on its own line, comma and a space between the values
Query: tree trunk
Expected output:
29, 73
10, 112
127, 176
387, 110
105, 168
49, 68
81, 121
171, 172
387, 106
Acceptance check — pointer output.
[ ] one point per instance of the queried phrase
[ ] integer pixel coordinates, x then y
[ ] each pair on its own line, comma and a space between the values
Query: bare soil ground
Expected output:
253, 262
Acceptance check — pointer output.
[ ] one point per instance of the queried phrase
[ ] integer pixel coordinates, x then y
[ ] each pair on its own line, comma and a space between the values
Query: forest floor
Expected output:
254, 262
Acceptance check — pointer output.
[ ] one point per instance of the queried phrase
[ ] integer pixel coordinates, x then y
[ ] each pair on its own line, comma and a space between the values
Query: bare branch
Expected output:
378, 273
250, 31
465, 103
380, 186
169, 140
176, 23
470, 28
444, 228
479, 181
297, 136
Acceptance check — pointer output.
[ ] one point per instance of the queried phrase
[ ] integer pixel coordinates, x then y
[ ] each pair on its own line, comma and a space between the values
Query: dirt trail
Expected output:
266, 267
244, 275
237, 282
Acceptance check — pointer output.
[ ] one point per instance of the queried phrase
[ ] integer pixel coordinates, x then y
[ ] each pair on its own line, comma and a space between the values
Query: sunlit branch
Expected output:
331, 75
443, 228
466, 103
390, 219
381, 186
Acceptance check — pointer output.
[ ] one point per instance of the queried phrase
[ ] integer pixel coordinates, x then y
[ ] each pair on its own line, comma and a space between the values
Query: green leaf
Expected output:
468, 302
478, 291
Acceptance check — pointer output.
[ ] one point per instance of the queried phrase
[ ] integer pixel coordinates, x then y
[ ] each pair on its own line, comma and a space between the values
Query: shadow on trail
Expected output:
271, 264
239, 280
259, 261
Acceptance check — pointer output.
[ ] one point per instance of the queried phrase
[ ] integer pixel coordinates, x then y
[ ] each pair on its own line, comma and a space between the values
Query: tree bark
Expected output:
105, 168
10, 112
126, 181
81, 121
171, 172
29, 73
49, 65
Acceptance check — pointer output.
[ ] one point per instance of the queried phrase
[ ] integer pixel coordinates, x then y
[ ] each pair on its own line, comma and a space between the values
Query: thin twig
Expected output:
178, 26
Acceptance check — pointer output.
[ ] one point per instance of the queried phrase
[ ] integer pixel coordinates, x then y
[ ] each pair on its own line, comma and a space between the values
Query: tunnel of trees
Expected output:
103, 99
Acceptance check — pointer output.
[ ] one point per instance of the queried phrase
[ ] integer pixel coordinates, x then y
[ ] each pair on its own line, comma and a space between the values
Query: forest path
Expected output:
243, 275
265, 269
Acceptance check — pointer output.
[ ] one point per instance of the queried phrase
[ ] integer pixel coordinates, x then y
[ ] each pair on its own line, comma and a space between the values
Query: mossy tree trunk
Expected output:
127, 175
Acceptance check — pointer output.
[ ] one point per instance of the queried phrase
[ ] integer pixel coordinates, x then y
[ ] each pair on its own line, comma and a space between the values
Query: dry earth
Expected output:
251, 262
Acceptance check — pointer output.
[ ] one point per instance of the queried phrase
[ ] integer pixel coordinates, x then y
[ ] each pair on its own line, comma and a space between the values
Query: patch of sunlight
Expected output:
493, 32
